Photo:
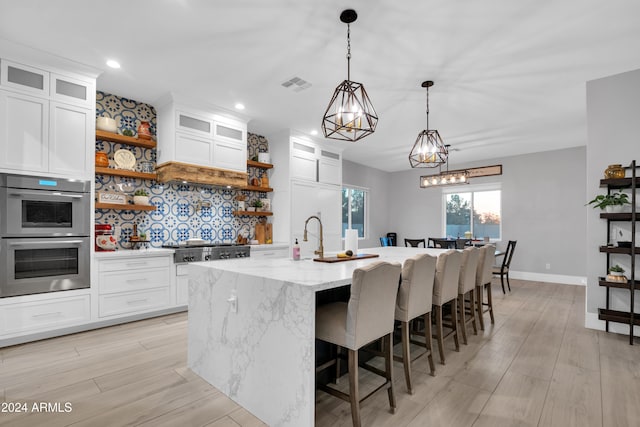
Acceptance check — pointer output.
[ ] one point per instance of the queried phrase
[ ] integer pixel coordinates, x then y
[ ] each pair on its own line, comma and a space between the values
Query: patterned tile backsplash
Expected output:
183, 211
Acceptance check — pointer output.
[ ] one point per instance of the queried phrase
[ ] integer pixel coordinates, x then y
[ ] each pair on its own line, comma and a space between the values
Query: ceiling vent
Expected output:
296, 84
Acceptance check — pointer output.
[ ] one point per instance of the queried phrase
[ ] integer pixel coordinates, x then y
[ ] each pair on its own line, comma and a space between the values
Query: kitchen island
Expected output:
252, 328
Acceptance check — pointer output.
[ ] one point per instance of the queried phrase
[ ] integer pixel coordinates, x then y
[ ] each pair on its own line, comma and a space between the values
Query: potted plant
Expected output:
257, 204
141, 197
612, 203
616, 270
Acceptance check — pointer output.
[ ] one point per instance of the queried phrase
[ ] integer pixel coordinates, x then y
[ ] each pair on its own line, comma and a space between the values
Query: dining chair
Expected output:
393, 239
413, 302
466, 287
503, 270
367, 317
415, 243
462, 243
385, 241
483, 282
445, 290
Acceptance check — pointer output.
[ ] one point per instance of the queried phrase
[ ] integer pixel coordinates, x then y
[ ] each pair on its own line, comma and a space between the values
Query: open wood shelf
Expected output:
623, 216
256, 188
619, 183
125, 173
125, 207
259, 165
617, 250
620, 285
618, 316
123, 139
248, 213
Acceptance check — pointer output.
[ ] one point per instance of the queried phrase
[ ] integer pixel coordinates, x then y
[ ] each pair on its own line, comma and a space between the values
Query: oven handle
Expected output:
40, 194
46, 242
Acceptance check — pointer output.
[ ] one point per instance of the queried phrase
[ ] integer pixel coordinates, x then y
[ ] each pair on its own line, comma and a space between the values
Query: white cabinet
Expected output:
44, 314
269, 251
46, 121
133, 285
314, 163
201, 135
24, 132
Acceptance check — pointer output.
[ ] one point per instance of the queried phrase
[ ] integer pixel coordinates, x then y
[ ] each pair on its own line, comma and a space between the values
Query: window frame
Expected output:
367, 194
471, 188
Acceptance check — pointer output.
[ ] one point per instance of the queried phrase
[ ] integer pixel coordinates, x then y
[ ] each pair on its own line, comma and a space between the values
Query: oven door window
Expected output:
40, 214
31, 263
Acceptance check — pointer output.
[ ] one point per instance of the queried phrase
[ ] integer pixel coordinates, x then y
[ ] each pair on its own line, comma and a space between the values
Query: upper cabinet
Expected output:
47, 121
201, 135
312, 162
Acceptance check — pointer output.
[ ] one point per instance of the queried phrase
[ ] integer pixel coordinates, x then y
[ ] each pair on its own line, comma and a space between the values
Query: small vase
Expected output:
140, 200
101, 159
614, 172
614, 208
144, 130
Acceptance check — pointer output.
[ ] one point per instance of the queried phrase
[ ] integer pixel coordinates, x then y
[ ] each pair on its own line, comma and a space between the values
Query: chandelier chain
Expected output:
427, 107
349, 52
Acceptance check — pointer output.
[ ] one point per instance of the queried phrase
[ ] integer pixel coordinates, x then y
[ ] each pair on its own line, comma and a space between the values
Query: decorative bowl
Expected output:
106, 124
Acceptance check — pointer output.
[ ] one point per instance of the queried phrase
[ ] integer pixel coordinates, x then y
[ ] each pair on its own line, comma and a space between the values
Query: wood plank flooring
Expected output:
537, 366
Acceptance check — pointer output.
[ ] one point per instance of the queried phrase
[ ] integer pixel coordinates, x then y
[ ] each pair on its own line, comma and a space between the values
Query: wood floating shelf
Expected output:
621, 285
617, 250
125, 207
259, 165
125, 173
251, 213
619, 182
123, 139
256, 188
618, 316
623, 216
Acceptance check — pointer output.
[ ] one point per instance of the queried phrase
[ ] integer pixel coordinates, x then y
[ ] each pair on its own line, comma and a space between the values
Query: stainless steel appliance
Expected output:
208, 252
44, 234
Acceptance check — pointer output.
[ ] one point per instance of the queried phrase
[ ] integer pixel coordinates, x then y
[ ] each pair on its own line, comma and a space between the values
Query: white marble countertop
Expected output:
311, 274
129, 253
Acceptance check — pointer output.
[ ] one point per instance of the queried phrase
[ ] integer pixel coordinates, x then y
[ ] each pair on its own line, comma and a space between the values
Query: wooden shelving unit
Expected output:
256, 188
125, 207
125, 173
629, 318
248, 213
259, 165
123, 139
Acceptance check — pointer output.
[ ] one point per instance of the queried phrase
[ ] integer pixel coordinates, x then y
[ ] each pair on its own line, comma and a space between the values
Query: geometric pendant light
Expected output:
428, 151
350, 115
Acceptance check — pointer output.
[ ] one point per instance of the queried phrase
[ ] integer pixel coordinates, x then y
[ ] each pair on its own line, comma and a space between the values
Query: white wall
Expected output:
543, 197
377, 182
613, 112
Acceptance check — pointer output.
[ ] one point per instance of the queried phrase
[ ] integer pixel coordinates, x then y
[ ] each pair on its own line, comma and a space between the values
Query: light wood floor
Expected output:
537, 366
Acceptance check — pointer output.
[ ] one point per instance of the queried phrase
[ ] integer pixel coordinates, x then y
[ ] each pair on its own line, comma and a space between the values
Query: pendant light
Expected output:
445, 178
350, 115
428, 151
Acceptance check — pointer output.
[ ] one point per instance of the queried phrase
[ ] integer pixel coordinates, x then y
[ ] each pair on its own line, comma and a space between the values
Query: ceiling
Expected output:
509, 75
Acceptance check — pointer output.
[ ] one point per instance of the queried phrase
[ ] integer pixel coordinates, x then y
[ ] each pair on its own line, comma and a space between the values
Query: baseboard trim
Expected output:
549, 278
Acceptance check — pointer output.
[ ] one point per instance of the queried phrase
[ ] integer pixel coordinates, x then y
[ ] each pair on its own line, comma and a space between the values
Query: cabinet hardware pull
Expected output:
144, 279
137, 301
53, 314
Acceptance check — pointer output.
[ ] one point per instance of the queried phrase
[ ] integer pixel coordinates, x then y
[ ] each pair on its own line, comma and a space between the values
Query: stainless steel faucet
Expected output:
320, 251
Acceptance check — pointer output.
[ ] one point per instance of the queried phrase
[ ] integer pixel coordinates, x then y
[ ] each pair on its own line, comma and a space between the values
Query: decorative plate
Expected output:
124, 159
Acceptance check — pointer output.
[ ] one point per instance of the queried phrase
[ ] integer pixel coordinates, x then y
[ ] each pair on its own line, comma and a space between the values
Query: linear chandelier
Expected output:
428, 151
350, 115
445, 178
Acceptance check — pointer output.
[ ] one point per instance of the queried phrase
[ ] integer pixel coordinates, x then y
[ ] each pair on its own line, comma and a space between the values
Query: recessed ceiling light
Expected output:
239, 106
314, 132
113, 64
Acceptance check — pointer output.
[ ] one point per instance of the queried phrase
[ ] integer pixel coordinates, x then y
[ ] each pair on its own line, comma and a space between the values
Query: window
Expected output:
354, 210
477, 211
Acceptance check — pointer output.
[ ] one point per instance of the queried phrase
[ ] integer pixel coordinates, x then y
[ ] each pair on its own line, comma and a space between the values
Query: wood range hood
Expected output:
202, 175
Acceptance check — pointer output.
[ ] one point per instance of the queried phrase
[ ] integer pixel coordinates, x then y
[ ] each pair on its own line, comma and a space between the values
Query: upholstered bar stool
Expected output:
414, 300
445, 290
367, 317
467, 287
483, 282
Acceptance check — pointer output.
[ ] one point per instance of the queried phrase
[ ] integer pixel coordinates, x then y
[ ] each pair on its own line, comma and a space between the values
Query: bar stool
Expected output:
414, 300
483, 282
367, 317
445, 289
467, 286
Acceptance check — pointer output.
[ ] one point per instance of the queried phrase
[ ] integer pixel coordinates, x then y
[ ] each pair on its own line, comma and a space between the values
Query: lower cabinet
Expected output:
133, 285
45, 314
265, 252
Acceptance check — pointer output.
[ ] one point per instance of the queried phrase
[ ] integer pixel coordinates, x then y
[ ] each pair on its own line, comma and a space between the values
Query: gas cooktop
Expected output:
208, 252
198, 245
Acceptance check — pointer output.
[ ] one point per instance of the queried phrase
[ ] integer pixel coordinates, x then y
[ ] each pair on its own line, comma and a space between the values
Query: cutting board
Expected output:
268, 232
260, 233
353, 258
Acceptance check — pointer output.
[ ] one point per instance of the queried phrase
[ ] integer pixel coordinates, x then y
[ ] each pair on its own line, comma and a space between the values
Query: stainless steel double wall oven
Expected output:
44, 234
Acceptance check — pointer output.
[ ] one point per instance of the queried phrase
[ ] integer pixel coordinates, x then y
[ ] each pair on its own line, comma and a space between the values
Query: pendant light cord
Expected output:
348, 52
427, 107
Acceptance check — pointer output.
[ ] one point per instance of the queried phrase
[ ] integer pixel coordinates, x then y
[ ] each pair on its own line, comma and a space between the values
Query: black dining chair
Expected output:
463, 243
415, 243
503, 270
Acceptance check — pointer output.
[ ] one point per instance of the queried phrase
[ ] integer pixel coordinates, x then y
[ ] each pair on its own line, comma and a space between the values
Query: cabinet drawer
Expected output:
132, 302
271, 253
126, 265
43, 315
133, 280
